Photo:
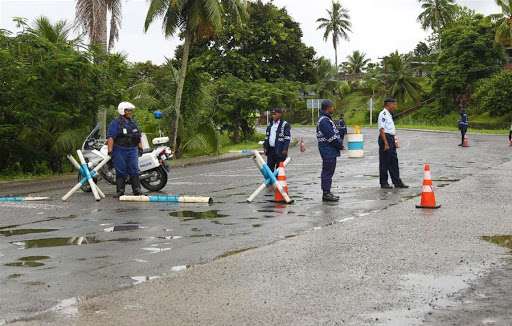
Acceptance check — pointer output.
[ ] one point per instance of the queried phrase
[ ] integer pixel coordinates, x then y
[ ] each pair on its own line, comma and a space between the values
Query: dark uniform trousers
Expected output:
273, 159
388, 161
463, 131
328, 168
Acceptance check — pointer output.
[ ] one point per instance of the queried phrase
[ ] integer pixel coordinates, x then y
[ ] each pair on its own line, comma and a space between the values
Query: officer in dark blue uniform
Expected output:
342, 129
463, 125
277, 140
124, 146
329, 145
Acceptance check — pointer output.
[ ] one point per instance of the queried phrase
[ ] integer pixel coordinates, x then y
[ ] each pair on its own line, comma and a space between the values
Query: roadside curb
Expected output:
205, 160
447, 132
24, 187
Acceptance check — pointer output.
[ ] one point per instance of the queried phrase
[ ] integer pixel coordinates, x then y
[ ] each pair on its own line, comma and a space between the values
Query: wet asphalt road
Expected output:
42, 263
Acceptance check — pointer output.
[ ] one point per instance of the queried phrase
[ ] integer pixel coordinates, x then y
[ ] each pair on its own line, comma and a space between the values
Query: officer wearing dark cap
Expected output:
329, 145
388, 158
277, 140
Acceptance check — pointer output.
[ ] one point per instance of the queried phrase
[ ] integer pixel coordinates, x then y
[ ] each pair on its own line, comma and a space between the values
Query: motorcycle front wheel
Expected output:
157, 180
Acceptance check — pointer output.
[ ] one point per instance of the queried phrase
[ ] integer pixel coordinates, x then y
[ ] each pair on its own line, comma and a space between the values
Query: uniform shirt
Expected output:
464, 121
328, 137
115, 130
273, 133
386, 122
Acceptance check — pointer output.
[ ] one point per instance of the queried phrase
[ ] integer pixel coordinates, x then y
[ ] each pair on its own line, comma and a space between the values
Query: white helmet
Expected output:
124, 106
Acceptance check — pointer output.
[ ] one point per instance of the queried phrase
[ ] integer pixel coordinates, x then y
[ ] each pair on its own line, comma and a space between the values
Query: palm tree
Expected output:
504, 29
91, 15
193, 20
337, 25
436, 14
399, 78
54, 33
357, 62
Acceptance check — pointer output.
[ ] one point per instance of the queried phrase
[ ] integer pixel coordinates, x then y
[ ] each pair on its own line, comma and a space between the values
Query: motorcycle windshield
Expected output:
91, 139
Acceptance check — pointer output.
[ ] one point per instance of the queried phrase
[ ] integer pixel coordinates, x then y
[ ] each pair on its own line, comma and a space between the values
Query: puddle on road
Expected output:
409, 197
257, 225
53, 218
142, 279
500, 240
69, 241
234, 252
192, 216
13, 276
29, 261
9, 233
124, 227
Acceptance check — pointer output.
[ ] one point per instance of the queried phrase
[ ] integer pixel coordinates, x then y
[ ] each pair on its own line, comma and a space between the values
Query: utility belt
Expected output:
127, 140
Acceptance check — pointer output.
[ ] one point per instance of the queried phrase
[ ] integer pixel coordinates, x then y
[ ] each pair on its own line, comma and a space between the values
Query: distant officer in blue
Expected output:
124, 146
277, 140
329, 145
388, 157
463, 124
342, 129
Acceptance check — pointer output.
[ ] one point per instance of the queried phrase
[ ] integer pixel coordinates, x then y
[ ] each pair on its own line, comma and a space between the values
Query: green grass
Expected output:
250, 145
29, 177
451, 128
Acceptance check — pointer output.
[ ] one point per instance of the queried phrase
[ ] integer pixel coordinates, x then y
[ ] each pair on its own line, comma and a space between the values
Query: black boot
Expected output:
120, 183
401, 185
329, 197
136, 186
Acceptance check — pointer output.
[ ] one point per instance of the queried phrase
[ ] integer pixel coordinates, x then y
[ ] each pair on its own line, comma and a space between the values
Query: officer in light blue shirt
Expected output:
388, 158
277, 140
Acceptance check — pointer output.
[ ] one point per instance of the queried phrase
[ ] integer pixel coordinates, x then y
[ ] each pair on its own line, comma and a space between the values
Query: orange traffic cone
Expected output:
302, 145
428, 198
281, 178
466, 141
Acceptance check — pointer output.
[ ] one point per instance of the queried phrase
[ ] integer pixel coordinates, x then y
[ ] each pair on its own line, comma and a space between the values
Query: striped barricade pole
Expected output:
270, 179
7, 199
168, 199
87, 176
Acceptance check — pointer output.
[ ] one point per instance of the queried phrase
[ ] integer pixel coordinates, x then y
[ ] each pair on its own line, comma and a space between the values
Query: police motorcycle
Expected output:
152, 164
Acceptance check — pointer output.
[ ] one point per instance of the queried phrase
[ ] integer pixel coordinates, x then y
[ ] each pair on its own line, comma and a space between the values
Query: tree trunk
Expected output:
99, 38
336, 56
181, 84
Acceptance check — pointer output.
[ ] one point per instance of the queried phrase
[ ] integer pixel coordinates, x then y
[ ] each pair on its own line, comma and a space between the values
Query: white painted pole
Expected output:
371, 111
256, 193
260, 163
91, 181
79, 184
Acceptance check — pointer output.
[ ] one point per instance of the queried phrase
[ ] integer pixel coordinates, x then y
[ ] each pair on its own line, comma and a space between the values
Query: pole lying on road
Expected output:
20, 199
87, 176
168, 199
270, 179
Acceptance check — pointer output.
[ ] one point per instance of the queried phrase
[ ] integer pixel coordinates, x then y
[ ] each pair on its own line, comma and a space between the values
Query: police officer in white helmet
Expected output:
124, 146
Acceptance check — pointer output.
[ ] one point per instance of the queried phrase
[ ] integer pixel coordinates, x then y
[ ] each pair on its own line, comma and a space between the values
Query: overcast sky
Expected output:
379, 26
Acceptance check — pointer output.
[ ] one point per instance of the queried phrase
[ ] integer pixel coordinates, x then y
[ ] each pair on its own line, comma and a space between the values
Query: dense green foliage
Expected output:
48, 89
468, 54
267, 46
493, 95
